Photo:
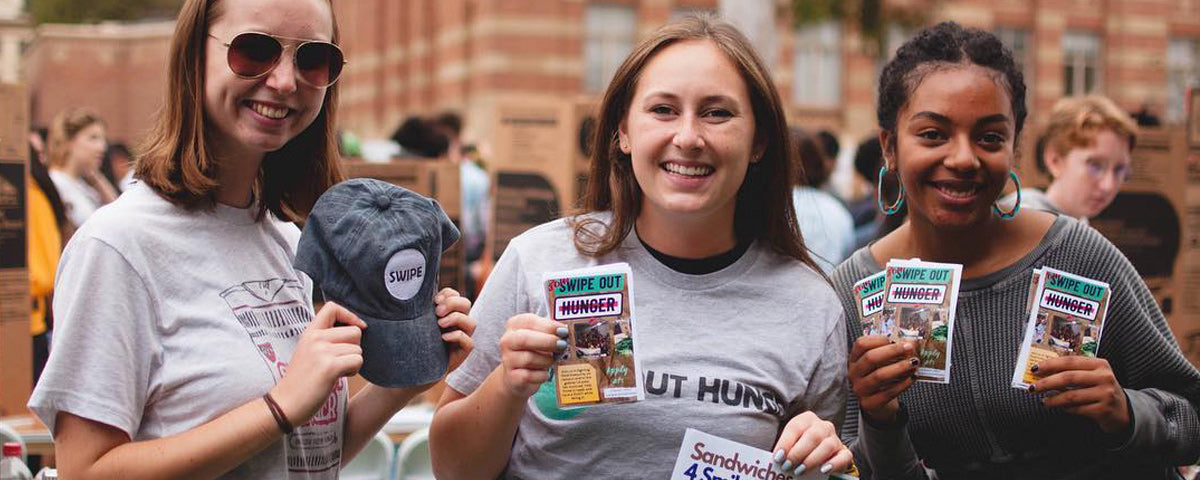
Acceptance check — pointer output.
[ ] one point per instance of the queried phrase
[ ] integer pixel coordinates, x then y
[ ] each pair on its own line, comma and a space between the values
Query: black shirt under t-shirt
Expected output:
700, 266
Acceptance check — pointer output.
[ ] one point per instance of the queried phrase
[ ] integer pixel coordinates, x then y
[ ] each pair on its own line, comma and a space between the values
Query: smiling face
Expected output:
1087, 179
953, 146
255, 116
690, 133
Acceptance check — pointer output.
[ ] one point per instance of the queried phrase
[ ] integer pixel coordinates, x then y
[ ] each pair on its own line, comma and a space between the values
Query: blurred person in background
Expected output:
187, 344
1086, 148
825, 224
118, 166
421, 137
476, 206
74, 154
869, 223
45, 217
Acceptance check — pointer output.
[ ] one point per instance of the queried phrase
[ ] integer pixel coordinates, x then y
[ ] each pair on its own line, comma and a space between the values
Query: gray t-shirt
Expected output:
734, 353
167, 319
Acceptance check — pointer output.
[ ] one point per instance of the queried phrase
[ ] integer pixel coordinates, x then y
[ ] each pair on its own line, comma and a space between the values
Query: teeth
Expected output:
697, 171
960, 191
269, 112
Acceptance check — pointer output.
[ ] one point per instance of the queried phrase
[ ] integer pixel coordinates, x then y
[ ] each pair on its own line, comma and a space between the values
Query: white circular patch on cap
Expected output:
404, 274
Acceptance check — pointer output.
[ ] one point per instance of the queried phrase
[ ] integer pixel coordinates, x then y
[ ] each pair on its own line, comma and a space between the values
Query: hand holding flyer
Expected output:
1066, 317
869, 294
919, 308
599, 365
709, 457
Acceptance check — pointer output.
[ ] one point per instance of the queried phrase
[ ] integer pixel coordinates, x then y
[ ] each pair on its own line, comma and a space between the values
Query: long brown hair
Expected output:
177, 159
764, 201
65, 126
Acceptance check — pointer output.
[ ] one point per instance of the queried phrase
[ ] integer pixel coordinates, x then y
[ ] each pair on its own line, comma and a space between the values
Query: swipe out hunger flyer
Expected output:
868, 292
920, 301
709, 457
599, 365
1066, 316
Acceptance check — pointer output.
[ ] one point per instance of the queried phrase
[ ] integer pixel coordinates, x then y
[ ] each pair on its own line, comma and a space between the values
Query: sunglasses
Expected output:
254, 54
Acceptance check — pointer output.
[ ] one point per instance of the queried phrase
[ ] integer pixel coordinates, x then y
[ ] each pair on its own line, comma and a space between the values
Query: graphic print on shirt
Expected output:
274, 313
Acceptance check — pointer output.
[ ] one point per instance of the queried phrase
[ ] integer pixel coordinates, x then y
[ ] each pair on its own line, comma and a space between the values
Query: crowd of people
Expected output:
744, 256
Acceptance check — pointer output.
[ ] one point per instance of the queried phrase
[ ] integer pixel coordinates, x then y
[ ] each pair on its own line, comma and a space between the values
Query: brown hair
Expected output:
65, 126
177, 160
764, 206
1075, 122
812, 170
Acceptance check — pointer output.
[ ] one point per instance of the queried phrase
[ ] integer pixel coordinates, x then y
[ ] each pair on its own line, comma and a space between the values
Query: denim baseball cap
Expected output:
374, 248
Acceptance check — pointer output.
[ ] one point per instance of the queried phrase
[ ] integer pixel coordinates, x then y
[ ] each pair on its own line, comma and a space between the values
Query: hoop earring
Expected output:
1016, 207
895, 207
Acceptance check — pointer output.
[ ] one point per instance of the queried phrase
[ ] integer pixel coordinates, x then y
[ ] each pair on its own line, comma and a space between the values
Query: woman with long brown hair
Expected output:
187, 345
76, 149
739, 334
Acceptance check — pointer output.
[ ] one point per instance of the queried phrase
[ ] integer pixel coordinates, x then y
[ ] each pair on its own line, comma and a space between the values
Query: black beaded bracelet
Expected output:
276, 411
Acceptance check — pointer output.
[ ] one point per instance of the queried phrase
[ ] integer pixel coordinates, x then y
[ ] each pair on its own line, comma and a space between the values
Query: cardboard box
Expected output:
437, 179
1154, 221
1186, 321
534, 168
16, 353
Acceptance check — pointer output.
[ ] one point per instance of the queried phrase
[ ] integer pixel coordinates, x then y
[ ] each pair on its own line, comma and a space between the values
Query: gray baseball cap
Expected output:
374, 248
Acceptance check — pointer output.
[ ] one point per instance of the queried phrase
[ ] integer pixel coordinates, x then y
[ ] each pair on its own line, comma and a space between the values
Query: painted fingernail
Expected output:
787, 464
828, 467
914, 362
560, 345
799, 470
561, 332
778, 456
1034, 368
1031, 387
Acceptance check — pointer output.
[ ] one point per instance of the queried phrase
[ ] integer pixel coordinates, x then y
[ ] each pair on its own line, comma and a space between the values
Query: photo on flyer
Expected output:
868, 292
599, 365
918, 307
1066, 318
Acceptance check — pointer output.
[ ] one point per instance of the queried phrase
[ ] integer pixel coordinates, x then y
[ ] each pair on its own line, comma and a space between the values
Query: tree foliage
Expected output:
88, 11
870, 17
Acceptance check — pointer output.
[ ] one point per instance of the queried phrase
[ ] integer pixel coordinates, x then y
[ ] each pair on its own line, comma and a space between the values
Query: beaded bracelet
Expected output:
284, 425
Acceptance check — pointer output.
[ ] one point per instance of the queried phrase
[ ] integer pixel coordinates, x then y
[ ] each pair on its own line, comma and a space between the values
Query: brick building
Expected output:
417, 56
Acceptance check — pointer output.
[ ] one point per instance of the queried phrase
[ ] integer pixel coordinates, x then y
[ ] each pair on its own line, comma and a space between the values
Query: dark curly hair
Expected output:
937, 47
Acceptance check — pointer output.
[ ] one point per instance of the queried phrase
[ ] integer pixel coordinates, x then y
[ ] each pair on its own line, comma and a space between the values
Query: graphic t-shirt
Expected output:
166, 319
734, 353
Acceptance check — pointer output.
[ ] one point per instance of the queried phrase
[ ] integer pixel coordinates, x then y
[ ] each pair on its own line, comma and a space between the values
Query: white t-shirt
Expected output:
735, 353
167, 319
826, 225
79, 199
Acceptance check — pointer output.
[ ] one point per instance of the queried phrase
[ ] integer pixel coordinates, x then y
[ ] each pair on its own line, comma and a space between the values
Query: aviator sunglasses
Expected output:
254, 54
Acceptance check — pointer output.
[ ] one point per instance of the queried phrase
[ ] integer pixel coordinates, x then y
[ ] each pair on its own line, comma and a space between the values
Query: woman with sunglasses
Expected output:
1088, 143
951, 107
187, 344
739, 334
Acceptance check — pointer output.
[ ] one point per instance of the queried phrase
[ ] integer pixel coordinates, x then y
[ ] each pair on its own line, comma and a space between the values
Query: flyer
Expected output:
1066, 318
599, 365
920, 301
868, 292
709, 457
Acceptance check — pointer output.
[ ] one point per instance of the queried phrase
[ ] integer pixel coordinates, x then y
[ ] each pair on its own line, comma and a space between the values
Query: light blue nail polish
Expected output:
787, 464
778, 456
561, 331
560, 345
828, 467
799, 469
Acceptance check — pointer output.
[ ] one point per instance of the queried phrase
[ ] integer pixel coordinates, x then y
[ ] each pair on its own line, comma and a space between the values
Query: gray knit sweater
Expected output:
979, 426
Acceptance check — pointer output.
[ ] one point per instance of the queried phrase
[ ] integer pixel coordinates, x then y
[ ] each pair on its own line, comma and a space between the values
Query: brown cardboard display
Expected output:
1151, 222
437, 179
16, 350
1186, 322
14, 122
534, 166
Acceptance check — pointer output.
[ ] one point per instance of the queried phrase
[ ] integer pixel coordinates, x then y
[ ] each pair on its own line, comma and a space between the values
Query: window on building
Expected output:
1018, 40
1183, 73
817, 65
610, 32
680, 12
1081, 63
